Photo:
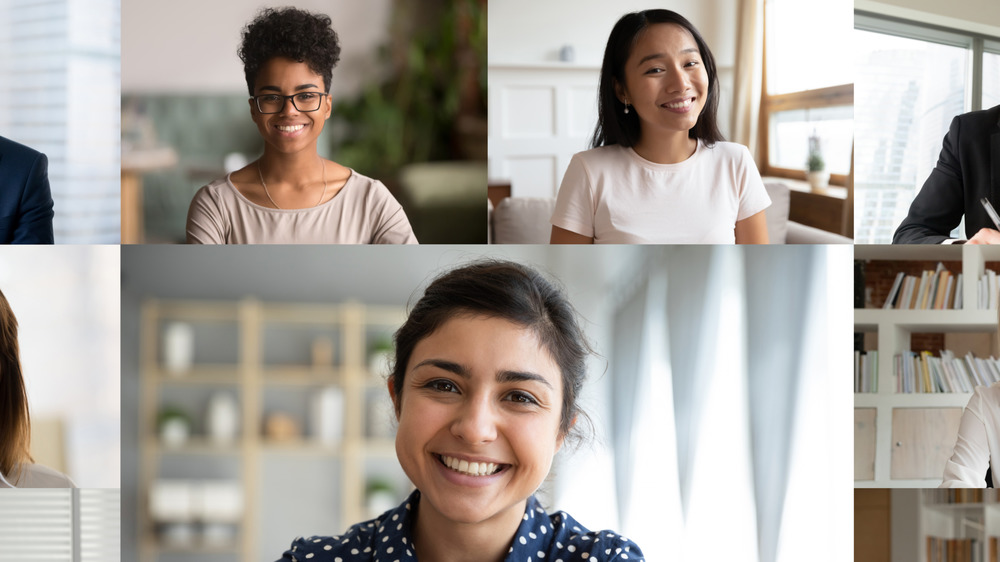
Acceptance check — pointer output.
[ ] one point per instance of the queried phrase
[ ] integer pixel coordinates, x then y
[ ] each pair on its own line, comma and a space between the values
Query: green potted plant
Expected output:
174, 425
817, 175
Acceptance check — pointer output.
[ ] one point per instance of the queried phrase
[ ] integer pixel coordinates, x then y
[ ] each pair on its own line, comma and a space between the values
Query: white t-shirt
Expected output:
614, 195
38, 476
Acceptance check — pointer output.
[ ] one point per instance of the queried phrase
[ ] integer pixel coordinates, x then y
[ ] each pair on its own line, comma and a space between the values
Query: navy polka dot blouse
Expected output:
540, 538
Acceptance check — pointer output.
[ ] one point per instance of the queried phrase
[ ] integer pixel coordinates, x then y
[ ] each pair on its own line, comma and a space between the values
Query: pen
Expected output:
991, 212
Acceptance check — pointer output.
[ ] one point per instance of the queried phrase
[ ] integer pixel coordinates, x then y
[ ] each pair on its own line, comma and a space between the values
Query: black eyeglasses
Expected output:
274, 103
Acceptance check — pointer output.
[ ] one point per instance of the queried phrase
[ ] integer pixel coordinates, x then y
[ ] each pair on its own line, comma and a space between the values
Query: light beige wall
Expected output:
189, 46
982, 16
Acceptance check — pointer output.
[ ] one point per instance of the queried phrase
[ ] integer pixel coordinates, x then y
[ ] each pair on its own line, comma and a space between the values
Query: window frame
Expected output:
830, 96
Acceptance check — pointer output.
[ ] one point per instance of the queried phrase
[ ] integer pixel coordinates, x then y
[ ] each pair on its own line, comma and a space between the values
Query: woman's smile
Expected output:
479, 417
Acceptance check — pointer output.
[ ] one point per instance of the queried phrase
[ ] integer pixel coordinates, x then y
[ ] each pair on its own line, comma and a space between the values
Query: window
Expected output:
911, 82
60, 94
808, 90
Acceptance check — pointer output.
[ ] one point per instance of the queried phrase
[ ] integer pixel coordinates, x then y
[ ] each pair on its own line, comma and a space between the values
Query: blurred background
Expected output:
919, 64
257, 411
60, 69
66, 300
792, 108
409, 108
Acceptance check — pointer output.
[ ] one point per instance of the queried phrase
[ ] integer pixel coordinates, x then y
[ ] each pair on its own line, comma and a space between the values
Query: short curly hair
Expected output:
289, 32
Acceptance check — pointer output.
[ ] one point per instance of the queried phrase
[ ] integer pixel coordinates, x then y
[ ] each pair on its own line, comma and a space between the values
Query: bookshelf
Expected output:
903, 440
954, 515
269, 358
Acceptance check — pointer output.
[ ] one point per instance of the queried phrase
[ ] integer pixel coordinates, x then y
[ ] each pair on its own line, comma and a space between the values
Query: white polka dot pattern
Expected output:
538, 538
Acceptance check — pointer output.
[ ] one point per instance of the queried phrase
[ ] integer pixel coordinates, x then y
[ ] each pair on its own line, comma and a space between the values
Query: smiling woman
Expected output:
659, 171
487, 372
291, 195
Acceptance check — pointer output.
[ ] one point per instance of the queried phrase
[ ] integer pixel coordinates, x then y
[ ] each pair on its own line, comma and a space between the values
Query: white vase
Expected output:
328, 415
174, 432
818, 181
223, 418
178, 347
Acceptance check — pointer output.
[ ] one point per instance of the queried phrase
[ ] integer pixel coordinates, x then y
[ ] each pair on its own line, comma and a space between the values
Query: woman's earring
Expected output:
626, 108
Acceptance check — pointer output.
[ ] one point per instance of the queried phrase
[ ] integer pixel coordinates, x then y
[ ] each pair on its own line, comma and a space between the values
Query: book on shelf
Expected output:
866, 371
923, 373
933, 290
989, 284
953, 550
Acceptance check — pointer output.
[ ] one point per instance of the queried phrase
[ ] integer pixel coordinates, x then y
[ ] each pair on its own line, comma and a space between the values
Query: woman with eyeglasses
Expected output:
291, 195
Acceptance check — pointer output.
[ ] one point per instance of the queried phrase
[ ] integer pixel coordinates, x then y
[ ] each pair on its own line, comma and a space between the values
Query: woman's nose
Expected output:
475, 422
679, 80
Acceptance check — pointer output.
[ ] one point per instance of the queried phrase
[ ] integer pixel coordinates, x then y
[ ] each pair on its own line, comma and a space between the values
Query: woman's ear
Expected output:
622, 96
393, 397
562, 436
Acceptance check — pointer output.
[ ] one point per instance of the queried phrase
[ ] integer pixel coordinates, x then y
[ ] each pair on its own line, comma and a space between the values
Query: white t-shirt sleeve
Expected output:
205, 220
574, 209
753, 195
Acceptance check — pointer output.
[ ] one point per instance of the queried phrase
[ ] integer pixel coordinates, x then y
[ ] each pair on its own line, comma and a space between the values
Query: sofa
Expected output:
525, 220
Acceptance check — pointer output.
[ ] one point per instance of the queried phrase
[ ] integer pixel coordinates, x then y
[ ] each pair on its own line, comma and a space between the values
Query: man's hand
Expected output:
985, 236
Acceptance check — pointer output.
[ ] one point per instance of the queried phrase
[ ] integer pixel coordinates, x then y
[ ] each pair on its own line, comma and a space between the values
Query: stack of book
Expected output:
954, 550
922, 372
937, 289
866, 371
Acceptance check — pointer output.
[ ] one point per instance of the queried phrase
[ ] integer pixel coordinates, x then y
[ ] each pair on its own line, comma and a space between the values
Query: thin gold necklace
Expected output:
321, 195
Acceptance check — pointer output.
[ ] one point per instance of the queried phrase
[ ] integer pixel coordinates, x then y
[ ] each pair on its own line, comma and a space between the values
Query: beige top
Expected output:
362, 212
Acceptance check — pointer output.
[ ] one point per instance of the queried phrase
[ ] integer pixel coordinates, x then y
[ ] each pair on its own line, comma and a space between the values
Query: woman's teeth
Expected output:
680, 104
290, 128
470, 468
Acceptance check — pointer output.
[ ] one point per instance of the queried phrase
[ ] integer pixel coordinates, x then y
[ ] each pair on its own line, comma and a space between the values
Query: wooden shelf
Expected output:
893, 329
349, 326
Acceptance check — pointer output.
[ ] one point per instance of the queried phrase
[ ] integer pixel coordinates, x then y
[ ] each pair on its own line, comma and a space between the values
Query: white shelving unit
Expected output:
246, 371
932, 516
893, 329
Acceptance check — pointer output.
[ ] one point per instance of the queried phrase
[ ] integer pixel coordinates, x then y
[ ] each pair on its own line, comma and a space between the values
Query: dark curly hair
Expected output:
289, 32
514, 292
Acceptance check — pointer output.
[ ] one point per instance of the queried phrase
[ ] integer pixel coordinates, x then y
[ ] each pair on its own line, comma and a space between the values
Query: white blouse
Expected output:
978, 445
38, 476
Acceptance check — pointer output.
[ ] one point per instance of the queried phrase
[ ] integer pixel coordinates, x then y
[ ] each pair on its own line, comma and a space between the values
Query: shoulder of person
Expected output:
607, 153
731, 150
573, 539
39, 476
17, 149
357, 541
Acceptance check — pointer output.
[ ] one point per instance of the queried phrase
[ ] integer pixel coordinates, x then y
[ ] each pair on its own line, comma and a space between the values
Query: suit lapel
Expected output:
995, 160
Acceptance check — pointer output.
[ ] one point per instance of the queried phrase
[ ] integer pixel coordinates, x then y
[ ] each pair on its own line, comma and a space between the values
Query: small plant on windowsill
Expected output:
818, 177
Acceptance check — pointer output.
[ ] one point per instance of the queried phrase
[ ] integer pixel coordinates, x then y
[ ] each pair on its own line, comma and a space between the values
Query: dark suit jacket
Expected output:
25, 198
967, 170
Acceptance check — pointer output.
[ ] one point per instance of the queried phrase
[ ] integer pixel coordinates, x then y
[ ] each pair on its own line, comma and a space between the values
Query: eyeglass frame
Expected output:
256, 101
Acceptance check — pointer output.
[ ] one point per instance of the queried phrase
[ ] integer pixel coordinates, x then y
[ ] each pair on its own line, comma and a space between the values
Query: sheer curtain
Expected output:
725, 412
749, 73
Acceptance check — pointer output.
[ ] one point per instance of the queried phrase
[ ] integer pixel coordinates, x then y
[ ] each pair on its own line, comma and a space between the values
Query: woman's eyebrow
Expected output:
661, 55
505, 376
520, 376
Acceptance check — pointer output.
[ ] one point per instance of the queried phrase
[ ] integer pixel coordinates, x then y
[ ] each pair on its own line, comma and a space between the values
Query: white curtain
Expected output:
722, 406
749, 74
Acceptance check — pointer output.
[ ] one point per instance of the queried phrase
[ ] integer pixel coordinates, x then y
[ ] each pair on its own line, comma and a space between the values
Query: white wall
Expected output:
189, 46
982, 16
530, 31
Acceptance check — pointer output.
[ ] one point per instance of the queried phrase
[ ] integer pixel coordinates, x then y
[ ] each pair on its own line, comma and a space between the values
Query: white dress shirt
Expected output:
978, 445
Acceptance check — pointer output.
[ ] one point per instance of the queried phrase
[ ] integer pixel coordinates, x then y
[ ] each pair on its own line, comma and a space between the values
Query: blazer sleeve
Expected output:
34, 224
938, 207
